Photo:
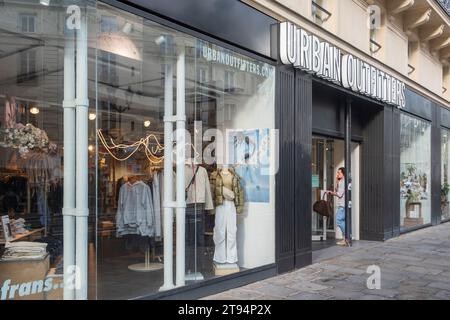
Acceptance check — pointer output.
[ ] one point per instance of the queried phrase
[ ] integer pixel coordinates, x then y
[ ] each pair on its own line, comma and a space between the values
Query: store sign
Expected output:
225, 57
308, 53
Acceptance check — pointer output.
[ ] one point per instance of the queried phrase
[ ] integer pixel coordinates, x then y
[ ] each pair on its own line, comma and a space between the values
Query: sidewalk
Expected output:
413, 266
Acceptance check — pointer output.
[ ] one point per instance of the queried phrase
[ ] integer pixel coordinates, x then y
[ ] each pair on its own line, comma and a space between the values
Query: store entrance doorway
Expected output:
327, 157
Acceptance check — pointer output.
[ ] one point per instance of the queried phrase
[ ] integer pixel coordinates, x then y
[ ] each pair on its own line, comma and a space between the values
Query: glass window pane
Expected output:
224, 94
415, 157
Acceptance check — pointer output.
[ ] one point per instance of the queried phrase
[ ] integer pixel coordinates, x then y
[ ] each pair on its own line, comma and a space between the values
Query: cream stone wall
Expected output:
352, 23
301, 7
428, 69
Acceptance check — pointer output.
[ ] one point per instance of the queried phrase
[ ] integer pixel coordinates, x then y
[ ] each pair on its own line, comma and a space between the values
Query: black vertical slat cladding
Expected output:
293, 181
387, 173
396, 172
436, 165
285, 189
303, 170
372, 219
380, 214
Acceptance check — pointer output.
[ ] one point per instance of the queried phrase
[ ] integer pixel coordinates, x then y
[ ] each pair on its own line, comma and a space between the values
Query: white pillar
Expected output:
180, 163
69, 165
82, 210
168, 179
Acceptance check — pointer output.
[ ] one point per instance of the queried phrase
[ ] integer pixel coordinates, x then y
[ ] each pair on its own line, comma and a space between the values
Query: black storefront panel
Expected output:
445, 117
228, 20
418, 105
293, 183
436, 152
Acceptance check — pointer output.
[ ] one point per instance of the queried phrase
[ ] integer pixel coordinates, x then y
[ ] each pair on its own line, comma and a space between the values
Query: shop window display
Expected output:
229, 192
32, 150
142, 78
415, 205
138, 72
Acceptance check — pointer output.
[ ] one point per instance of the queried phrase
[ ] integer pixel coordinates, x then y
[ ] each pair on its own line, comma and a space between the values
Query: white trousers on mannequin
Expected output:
225, 230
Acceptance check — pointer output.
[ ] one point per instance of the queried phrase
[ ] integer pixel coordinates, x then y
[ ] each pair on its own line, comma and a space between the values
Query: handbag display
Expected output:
323, 207
190, 183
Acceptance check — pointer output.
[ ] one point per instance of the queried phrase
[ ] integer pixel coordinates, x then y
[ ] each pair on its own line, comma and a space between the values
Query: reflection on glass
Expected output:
32, 150
415, 157
230, 212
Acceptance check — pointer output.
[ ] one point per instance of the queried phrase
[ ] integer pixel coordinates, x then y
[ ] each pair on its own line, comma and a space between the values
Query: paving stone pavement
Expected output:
413, 266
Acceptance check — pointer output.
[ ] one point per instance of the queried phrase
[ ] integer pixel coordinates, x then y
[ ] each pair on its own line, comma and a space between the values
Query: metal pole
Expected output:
168, 178
69, 165
348, 169
82, 210
180, 164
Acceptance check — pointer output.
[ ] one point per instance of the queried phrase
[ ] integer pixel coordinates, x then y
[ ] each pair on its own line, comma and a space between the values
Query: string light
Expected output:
150, 153
34, 110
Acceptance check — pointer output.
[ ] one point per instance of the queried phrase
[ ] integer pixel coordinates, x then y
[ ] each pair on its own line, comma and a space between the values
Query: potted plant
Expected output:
413, 189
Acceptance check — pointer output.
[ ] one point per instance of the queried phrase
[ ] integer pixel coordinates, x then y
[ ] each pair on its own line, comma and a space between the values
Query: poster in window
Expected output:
6, 229
249, 155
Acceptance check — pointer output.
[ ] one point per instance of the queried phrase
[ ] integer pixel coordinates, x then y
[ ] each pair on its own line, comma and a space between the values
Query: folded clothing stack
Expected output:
18, 226
24, 250
54, 246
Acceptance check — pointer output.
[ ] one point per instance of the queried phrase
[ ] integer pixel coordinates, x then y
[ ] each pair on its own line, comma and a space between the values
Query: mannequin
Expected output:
198, 199
136, 220
228, 196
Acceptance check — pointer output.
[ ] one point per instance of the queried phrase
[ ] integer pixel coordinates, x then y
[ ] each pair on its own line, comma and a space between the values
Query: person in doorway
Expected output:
339, 193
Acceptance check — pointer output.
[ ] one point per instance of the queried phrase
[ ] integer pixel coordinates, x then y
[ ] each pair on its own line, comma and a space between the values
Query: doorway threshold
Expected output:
324, 244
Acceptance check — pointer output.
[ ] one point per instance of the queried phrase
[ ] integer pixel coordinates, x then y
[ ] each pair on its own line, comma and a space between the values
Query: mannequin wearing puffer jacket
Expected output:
228, 198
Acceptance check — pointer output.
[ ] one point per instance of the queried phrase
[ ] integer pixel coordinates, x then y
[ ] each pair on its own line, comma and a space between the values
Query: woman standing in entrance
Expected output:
339, 193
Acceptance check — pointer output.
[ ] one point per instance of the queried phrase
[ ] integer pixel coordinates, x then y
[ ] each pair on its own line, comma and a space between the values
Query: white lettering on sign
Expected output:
8, 290
320, 58
226, 57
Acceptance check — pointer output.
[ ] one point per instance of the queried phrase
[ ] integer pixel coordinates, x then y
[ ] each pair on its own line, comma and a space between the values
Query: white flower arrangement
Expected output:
413, 184
27, 138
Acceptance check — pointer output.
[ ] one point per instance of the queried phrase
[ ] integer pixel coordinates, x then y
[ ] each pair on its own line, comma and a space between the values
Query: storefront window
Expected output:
230, 213
445, 174
415, 157
32, 78
143, 83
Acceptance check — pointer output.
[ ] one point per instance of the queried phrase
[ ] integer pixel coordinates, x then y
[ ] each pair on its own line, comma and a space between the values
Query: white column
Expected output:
180, 163
69, 165
82, 210
168, 179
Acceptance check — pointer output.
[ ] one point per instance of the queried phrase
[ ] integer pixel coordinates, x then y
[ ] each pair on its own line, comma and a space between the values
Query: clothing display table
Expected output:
24, 272
29, 236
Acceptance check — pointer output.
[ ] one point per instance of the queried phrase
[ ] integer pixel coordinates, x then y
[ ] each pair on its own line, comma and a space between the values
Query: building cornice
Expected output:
283, 13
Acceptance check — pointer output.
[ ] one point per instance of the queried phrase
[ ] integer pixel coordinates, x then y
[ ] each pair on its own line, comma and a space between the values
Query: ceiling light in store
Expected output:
147, 123
127, 28
92, 116
34, 110
44, 2
91, 148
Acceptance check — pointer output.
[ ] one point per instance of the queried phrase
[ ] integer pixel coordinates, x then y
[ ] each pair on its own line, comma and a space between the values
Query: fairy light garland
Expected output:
150, 153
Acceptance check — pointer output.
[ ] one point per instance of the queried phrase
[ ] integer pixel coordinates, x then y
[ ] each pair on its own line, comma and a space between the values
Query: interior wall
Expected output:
256, 246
